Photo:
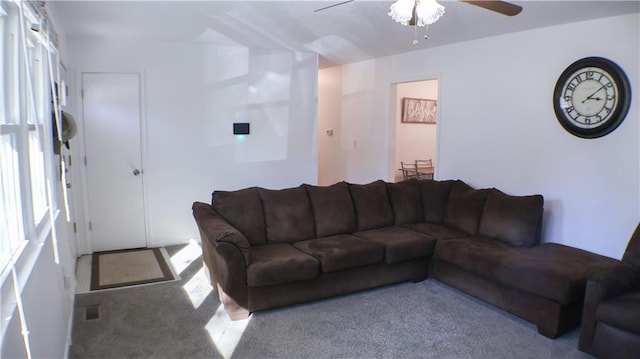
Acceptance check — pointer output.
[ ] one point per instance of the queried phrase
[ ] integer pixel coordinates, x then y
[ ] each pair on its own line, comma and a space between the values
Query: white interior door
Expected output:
111, 112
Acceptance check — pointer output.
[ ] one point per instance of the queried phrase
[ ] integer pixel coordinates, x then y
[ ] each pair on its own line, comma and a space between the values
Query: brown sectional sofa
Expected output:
269, 248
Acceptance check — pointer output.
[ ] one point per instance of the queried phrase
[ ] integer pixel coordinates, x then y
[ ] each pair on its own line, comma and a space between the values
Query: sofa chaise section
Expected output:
504, 264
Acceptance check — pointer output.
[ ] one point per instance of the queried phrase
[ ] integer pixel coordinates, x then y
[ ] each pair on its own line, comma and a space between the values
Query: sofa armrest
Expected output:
606, 280
216, 230
225, 254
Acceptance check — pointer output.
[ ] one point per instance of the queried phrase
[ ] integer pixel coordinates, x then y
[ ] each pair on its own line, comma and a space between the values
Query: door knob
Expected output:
136, 172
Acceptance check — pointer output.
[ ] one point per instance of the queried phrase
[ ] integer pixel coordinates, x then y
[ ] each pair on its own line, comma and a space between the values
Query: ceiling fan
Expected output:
502, 7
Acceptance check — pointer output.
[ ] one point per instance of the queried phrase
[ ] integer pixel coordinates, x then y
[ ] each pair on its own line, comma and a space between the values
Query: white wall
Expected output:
497, 127
192, 94
414, 141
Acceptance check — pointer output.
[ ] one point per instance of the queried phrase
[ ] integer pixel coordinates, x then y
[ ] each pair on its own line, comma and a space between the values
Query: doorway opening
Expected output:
414, 140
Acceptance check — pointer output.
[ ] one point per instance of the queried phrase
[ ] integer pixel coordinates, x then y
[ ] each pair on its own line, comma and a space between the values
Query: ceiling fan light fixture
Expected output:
402, 11
426, 12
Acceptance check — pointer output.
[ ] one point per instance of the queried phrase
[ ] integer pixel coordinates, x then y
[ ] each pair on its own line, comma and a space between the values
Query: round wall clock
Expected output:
592, 97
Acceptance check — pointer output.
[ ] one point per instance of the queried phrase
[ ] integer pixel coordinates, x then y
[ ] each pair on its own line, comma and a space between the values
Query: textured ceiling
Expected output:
347, 33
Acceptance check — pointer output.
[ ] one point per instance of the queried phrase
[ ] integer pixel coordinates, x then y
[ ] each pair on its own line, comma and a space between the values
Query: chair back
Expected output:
408, 170
632, 253
424, 163
421, 167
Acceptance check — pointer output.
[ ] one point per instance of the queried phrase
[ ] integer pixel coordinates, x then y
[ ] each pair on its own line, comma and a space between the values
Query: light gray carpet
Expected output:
407, 320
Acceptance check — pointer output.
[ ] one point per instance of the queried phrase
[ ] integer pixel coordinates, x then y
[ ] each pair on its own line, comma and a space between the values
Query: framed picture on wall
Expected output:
418, 110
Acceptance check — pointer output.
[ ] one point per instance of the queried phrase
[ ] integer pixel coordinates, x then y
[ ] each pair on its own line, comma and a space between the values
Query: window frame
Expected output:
26, 81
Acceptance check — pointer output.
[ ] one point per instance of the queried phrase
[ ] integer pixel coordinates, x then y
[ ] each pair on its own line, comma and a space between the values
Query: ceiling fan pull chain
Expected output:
415, 34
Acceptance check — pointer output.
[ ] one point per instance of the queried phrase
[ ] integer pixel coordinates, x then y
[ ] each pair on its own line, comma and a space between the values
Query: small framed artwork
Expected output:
418, 110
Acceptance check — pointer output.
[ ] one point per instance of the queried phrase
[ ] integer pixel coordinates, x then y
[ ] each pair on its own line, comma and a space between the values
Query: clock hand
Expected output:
590, 97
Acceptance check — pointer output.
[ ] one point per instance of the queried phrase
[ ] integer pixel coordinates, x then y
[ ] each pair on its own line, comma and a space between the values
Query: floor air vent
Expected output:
92, 312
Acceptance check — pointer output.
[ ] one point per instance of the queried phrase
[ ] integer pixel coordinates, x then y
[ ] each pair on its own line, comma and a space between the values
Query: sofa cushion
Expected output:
280, 263
342, 251
434, 195
516, 220
622, 312
479, 255
400, 244
372, 206
332, 209
405, 201
464, 207
436, 231
287, 214
550, 270
243, 210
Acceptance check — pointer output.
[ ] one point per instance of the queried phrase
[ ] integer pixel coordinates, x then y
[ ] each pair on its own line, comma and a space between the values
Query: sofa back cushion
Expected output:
516, 220
243, 210
372, 206
288, 216
435, 196
405, 201
332, 209
464, 207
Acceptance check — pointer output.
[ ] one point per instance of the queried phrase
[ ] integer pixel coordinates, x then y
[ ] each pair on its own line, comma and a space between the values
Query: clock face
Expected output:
589, 97
592, 97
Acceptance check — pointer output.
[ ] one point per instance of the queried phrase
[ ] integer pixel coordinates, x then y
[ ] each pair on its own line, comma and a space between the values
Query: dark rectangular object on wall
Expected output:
241, 128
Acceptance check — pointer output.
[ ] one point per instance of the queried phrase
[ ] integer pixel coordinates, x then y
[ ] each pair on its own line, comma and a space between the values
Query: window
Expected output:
11, 229
35, 113
27, 209
25, 113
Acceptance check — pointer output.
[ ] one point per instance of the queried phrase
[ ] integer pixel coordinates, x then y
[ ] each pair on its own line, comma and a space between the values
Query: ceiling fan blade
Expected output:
502, 7
334, 5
